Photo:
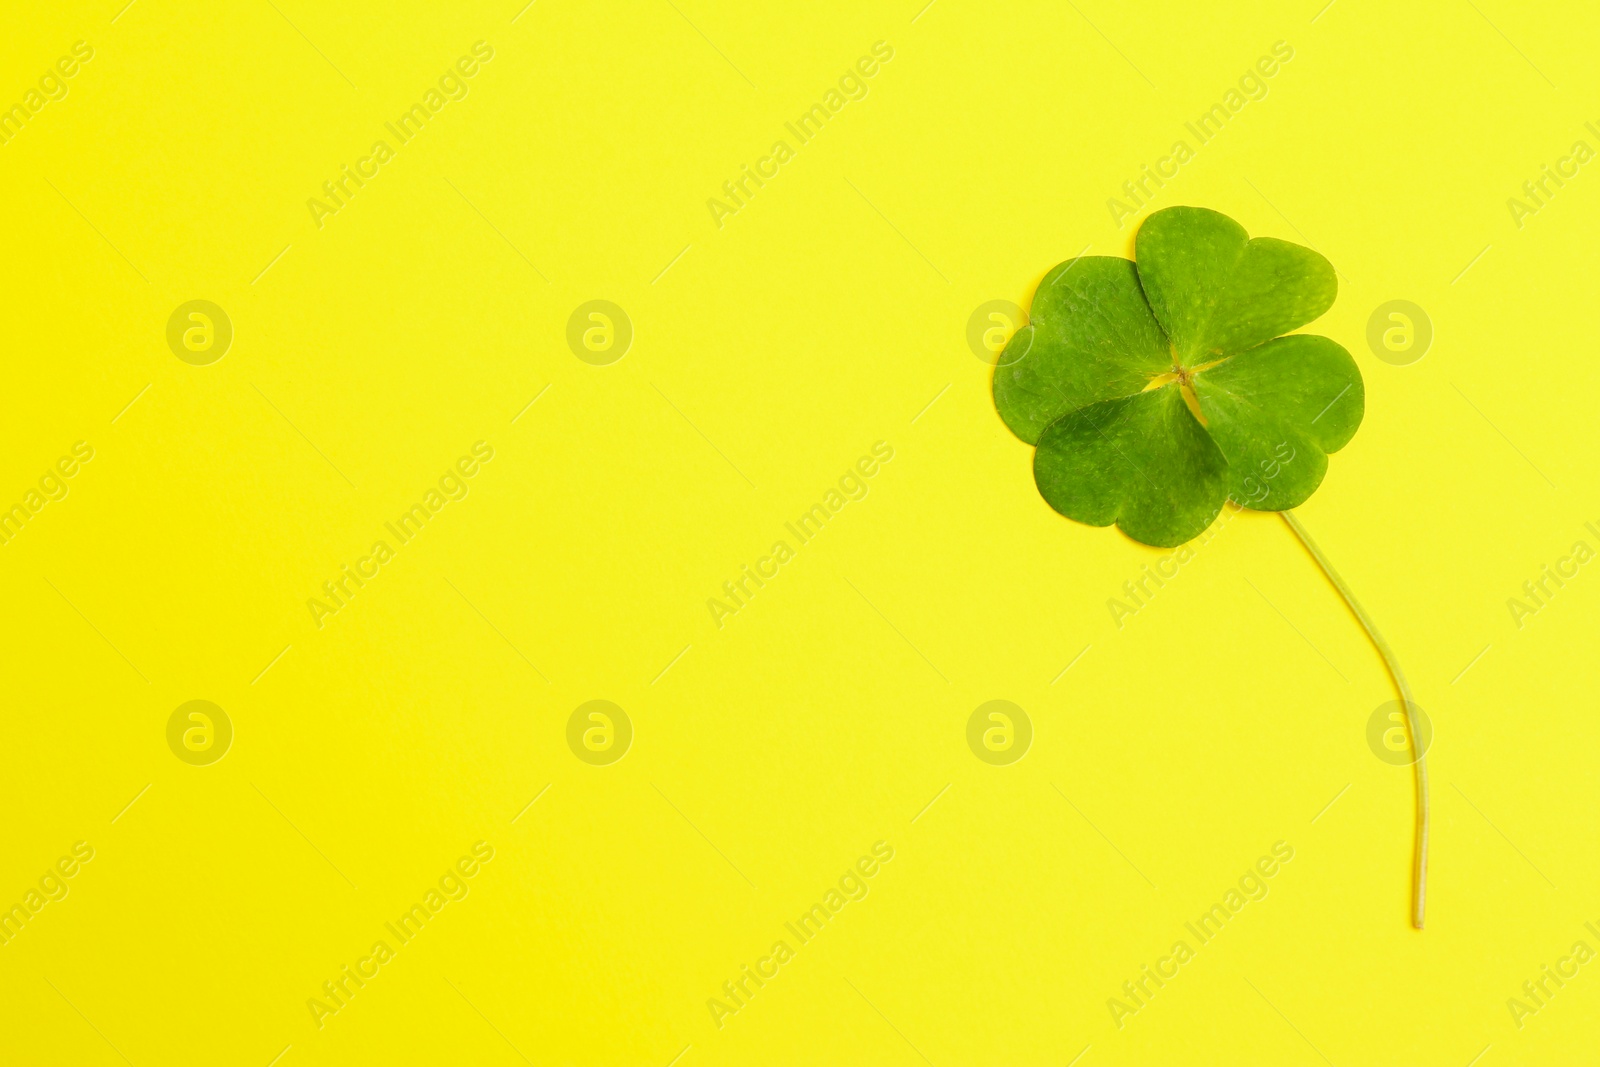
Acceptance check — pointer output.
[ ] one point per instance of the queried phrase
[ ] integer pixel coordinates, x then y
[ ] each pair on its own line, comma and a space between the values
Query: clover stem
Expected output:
1419, 865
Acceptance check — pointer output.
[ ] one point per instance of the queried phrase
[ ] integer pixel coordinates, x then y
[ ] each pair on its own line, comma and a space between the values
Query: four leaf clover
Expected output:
1157, 389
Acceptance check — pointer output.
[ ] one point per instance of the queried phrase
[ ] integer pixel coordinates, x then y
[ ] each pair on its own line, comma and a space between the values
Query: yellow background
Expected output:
823, 317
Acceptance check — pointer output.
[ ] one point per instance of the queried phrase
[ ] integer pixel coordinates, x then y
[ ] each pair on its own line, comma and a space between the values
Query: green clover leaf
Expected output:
1158, 389
1155, 390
